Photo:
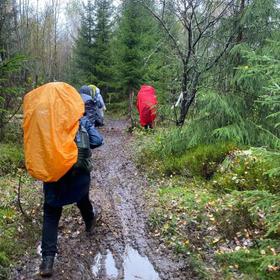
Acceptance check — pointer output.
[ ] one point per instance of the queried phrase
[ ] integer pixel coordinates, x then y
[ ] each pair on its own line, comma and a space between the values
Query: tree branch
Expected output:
166, 30
207, 68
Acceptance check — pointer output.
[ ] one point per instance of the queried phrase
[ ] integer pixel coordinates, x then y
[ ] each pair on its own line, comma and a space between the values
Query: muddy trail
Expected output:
121, 247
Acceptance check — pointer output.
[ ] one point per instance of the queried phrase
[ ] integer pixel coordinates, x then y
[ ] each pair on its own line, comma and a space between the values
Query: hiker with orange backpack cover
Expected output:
57, 142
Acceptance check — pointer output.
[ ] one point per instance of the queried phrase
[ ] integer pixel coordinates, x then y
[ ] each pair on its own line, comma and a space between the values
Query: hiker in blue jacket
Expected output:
73, 187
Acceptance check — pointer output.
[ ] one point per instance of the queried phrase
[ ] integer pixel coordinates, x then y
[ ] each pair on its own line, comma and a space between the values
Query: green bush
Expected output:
164, 143
201, 161
11, 158
248, 170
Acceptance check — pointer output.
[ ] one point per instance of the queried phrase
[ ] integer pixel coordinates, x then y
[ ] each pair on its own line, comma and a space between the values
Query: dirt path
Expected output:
121, 248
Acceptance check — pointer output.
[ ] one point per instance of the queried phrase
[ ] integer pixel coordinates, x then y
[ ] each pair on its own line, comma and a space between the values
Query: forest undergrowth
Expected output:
217, 202
20, 205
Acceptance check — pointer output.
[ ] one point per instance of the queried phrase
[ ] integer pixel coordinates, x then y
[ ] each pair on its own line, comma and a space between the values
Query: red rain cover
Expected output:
146, 104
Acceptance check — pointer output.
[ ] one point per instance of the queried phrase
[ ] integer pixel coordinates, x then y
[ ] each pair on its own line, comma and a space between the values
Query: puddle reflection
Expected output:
110, 265
105, 263
134, 266
97, 265
138, 267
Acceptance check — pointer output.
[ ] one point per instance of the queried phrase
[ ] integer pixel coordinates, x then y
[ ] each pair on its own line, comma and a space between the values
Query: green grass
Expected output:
14, 132
230, 167
16, 232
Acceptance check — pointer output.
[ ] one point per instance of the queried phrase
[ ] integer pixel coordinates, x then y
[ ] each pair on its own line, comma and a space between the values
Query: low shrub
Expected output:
248, 170
201, 161
165, 143
11, 158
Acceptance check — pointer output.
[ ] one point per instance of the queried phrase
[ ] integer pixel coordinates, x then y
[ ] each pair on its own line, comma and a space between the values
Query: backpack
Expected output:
84, 152
51, 115
93, 113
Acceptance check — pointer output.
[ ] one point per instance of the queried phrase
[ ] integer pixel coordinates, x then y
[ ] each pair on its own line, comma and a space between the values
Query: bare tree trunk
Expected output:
187, 101
189, 90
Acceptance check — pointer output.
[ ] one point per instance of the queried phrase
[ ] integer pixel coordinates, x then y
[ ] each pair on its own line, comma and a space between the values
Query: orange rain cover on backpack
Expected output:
51, 119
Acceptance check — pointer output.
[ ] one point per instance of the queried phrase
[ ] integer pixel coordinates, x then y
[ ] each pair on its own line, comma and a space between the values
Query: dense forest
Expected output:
216, 145
218, 54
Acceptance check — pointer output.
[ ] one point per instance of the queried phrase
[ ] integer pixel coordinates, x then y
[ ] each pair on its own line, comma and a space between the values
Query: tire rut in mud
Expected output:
121, 247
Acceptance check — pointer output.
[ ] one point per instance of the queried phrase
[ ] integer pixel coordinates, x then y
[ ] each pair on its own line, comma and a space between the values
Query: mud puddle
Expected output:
138, 267
121, 249
105, 266
134, 266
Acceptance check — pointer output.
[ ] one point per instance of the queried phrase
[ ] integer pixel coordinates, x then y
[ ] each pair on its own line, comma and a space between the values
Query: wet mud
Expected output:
121, 247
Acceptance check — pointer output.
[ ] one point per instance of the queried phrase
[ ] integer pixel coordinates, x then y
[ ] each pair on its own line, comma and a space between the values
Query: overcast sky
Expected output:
63, 2
62, 17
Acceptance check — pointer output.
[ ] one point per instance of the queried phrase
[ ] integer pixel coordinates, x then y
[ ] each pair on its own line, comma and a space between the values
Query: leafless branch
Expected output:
153, 52
174, 41
209, 66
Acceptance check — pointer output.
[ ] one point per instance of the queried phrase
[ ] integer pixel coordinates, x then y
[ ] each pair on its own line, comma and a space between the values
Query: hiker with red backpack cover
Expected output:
58, 139
146, 106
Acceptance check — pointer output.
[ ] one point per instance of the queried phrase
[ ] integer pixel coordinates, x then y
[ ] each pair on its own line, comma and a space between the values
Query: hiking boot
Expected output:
90, 227
46, 267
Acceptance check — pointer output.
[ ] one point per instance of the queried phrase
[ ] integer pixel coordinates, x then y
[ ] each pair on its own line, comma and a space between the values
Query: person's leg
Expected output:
87, 211
50, 228
49, 238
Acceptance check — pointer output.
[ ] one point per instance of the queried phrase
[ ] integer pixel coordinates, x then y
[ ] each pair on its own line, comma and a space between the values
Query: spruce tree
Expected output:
84, 58
130, 63
101, 48
138, 47
240, 86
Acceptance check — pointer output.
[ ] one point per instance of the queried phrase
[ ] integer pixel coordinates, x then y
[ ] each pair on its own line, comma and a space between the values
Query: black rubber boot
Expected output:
46, 267
90, 227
